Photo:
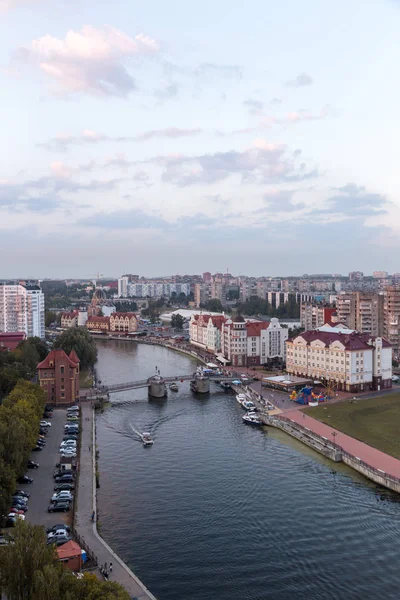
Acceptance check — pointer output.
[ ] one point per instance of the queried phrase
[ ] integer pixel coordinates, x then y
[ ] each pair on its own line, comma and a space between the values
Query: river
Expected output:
217, 510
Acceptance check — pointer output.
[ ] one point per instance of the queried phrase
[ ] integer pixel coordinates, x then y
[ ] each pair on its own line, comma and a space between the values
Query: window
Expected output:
62, 370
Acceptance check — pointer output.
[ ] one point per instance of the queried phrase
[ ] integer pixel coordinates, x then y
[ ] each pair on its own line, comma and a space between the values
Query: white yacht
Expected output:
240, 398
248, 405
251, 418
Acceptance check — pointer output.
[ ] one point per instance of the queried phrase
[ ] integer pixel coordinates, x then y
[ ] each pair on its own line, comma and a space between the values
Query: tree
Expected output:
78, 339
213, 305
30, 570
177, 321
50, 317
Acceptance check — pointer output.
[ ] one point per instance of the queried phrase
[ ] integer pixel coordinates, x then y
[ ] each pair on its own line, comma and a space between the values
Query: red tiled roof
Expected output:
73, 356
254, 328
54, 356
69, 550
123, 314
98, 320
351, 341
71, 315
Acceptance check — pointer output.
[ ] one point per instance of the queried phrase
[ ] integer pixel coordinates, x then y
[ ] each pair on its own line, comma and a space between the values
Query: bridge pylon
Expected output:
157, 387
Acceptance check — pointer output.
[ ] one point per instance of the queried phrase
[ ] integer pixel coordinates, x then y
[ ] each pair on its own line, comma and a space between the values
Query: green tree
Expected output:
213, 305
177, 321
79, 339
50, 317
23, 559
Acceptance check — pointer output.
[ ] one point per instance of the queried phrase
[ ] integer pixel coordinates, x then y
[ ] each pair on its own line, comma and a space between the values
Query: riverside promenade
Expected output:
86, 504
376, 459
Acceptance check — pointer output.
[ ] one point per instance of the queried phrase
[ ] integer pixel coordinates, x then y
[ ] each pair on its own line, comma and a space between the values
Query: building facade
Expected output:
123, 322
69, 319
59, 377
341, 357
205, 331
392, 317
234, 341
22, 309
313, 315
98, 324
362, 311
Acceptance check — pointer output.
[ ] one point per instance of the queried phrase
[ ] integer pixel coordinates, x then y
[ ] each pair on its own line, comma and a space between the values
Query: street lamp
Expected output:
334, 434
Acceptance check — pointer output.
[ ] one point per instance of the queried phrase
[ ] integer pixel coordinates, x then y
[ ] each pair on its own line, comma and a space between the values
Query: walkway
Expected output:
371, 456
86, 503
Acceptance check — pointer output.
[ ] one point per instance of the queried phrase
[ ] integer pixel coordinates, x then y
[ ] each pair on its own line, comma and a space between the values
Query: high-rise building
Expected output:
123, 287
207, 277
314, 315
356, 276
22, 309
391, 311
361, 311
380, 274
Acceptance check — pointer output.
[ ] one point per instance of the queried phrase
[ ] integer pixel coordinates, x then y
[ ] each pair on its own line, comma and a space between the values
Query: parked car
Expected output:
45, 424
20, 499
11, 520
70, 436
22, 493
57, 533
57, 527
64, 478
41, 442
65, 443
31, 464
20, 508
64, 495
25, 479
64, 486
59, 541
59, 507
59, 472
37, 449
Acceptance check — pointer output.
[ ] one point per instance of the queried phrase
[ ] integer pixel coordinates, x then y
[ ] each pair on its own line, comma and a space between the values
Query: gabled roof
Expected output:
254, 328
69, 550
98, 320
351, 340
123, 314
74, 357
55, 356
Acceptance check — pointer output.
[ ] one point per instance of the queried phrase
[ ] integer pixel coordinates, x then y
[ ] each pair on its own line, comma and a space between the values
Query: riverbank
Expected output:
87, 503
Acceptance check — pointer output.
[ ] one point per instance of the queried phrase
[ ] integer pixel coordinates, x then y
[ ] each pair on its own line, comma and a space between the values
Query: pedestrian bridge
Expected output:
157, 384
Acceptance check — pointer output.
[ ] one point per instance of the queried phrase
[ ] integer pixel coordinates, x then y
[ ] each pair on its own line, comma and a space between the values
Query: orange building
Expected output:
70, 555
123, 322
59, 377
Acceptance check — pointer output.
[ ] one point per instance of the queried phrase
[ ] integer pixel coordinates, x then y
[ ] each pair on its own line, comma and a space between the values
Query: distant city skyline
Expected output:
254, 135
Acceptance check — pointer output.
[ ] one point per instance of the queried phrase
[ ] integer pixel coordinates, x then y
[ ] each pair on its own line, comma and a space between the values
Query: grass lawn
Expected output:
375, 421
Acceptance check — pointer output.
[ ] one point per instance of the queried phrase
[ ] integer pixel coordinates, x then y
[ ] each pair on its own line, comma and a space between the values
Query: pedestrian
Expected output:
93, 515
110, 567
90, 447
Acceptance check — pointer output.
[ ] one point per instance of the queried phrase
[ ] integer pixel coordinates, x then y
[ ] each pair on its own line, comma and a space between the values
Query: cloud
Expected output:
301, 80
276, 101
87, 137
355, 201
169, 90
216, 70
125, 219
7, 5
281, 201
262, 163
255, 106
93, 61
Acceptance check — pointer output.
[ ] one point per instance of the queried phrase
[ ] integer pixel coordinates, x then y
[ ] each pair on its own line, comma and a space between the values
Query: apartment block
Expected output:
22, 309
392, 316
361, 311
314, 315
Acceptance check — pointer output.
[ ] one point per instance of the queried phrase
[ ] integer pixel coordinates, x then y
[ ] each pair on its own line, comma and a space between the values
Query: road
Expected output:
42, 487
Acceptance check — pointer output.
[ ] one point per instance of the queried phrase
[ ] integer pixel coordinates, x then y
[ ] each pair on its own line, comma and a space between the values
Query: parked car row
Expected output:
58, 534
64, 475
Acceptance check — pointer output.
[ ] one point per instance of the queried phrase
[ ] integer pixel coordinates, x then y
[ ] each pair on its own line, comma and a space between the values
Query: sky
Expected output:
176, 137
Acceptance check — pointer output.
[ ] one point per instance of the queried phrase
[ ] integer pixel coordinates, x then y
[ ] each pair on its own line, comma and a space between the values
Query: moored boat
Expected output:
225, 385
249, 405
240, 398
173, 387
251, 418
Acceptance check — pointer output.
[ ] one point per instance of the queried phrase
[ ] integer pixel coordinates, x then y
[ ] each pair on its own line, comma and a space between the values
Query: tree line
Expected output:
20, 415
21, 363
30, 570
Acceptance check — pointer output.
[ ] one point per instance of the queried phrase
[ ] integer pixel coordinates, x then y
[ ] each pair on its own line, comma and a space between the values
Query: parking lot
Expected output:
43, 484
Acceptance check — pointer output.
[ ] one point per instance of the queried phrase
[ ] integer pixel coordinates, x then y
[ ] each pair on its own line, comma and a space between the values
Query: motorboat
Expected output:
251, 418
225, 385
249, 405
147, 439
173, 387
240, 398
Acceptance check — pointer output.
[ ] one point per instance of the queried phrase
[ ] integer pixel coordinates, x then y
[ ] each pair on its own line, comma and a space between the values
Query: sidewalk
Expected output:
86, 503
369, 455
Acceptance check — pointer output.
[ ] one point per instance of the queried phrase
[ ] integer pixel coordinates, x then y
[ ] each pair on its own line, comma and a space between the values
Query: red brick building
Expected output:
9, 341
101, 324
59, 377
